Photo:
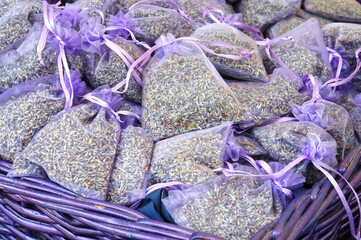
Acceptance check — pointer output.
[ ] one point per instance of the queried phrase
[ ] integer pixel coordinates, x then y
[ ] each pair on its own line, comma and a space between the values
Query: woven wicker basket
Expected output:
33, 208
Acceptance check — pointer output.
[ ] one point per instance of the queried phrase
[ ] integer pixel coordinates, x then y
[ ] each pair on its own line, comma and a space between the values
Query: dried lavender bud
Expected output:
261, 14
306, 15
154, 21
195, 9
89, 4
110, 70
284, 142
284, 26
189, 157
15, 23
77, 149
24, 111
250, 69
270, 101
347, 101
250, 145
342, 11
233, 208
196, 97
128, 179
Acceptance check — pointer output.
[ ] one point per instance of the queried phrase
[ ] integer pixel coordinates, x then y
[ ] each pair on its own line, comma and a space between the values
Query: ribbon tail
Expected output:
67, 72
42, 43
341, 195
63, 85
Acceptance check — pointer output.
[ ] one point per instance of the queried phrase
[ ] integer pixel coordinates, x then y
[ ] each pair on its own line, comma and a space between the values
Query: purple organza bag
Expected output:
27, 108
250, 69
345, 38
351, 101
341, 11
77, 148
331, 117
129, 177
154, 21
233, 208
195, 98
284, 26
91, 6
103, 65
16, 22
261, 14
305, 54
270, 101
285, 141
195, 9
22, 64
114, 6
191, 157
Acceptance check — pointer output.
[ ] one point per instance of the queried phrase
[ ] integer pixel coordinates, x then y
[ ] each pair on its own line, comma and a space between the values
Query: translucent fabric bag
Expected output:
232, 208
250, 69
250, 145
261, 14
345, 38
351, 101
15, 23
306, 55
195, 98
77, 148
22, 64
284, 142
341, 11
190, 157
331, 117
270, 101
91, 5
284, 26
114, 6
306, 15
110, 69
154, 21
27, 108
129, 177
195, 9
6, 5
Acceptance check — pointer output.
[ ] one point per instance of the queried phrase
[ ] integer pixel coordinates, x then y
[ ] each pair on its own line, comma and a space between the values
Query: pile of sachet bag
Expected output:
113, 99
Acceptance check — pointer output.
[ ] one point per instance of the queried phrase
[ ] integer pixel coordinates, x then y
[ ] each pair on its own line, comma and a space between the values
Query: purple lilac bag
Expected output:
154, 21
284, 142
128, 181
341, 11
27, 108
114, 6
130, 120
195, 98
233, 208
305, 54
261, 14
191, 157
250, 145
77, 148
331, 117
270, 101
351, 101
250, 69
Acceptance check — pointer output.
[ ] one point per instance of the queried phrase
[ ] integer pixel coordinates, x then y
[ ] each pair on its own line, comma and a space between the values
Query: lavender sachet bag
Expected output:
302, 50
77, 148
28, 107
128, 180
286, 141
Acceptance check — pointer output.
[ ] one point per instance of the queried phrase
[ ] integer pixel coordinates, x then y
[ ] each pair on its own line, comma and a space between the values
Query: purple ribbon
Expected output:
233, 20
334, 54
170, 39
337, 81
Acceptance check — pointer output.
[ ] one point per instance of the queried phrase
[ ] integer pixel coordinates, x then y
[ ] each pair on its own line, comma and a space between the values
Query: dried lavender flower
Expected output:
284, 26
